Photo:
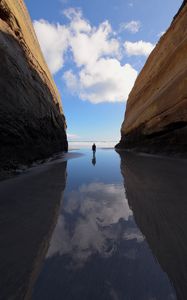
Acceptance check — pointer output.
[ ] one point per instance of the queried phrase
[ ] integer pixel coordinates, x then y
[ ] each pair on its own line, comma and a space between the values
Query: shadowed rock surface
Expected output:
32, 123
156, 191
156, 114
29, 206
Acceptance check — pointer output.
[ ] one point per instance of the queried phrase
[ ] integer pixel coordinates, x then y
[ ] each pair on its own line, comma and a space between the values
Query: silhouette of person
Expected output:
94, 158
94, 147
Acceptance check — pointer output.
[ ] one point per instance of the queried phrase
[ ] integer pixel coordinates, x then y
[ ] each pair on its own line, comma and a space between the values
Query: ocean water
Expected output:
120, 232
88, 144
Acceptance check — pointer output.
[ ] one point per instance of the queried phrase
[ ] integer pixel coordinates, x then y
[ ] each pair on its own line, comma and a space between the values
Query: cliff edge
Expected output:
32, 123
156, 114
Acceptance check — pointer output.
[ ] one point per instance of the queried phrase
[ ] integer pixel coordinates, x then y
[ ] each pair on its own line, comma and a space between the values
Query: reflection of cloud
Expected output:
90, 222
132, 233
104, 202
131, 254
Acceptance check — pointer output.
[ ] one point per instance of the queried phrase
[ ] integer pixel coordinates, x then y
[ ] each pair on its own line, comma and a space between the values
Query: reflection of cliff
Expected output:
156, 114
32, 123
157, 192
97, 251
29, 207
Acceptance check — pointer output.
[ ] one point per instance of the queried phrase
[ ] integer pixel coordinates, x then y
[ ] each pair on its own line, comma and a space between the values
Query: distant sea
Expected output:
88, 144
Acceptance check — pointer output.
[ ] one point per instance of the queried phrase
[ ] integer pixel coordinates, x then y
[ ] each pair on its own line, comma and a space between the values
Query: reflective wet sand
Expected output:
156, 189
117, 231
29, 206
100, 248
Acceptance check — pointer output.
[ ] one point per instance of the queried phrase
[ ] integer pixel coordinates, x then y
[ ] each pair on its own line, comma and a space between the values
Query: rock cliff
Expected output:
156, 114
32, 123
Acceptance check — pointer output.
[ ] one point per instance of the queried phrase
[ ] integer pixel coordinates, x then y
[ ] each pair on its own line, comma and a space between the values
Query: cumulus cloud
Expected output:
105, 81
138, 48
53, 39
132, 26
98, 74
89, 47
71, 81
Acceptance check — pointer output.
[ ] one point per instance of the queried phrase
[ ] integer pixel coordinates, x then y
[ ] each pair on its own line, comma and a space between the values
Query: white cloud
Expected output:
132, 26
106, 81
88, 43
72, 13
160, 34
138, 48
71, 81
72, 136
101, 78
97, 75
53, 39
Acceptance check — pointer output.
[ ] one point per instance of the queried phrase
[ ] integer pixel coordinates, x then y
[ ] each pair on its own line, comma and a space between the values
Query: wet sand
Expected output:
29, 206
156, 189
118, 231
97, 250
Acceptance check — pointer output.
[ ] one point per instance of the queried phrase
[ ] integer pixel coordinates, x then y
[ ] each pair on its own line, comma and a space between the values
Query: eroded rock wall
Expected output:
156, 114
32, 123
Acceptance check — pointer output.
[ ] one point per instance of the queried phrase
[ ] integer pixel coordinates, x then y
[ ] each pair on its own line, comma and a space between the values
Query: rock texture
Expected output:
156, 191
156, 114
32, 123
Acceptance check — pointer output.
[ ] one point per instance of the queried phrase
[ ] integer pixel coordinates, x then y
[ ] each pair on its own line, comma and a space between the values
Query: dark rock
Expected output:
32, 123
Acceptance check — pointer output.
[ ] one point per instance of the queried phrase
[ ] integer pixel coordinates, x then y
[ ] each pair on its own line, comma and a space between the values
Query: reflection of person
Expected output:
94, 160
94, 147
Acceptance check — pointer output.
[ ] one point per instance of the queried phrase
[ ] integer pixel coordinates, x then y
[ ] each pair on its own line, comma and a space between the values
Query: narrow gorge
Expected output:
32, 122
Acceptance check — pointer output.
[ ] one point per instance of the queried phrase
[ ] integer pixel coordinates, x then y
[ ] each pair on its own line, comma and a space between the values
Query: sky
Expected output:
95, 50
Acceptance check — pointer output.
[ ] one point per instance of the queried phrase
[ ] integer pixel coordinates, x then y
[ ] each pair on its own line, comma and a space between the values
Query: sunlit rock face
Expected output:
32, 123
156, 114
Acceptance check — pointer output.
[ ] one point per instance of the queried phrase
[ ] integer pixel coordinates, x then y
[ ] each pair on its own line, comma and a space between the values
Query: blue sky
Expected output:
95, 50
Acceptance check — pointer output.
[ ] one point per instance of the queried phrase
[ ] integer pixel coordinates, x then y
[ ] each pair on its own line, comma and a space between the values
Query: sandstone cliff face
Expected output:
156, 114
32, 123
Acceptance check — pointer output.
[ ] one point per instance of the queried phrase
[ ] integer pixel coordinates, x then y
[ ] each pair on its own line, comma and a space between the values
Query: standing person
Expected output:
94, 158
94, 147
